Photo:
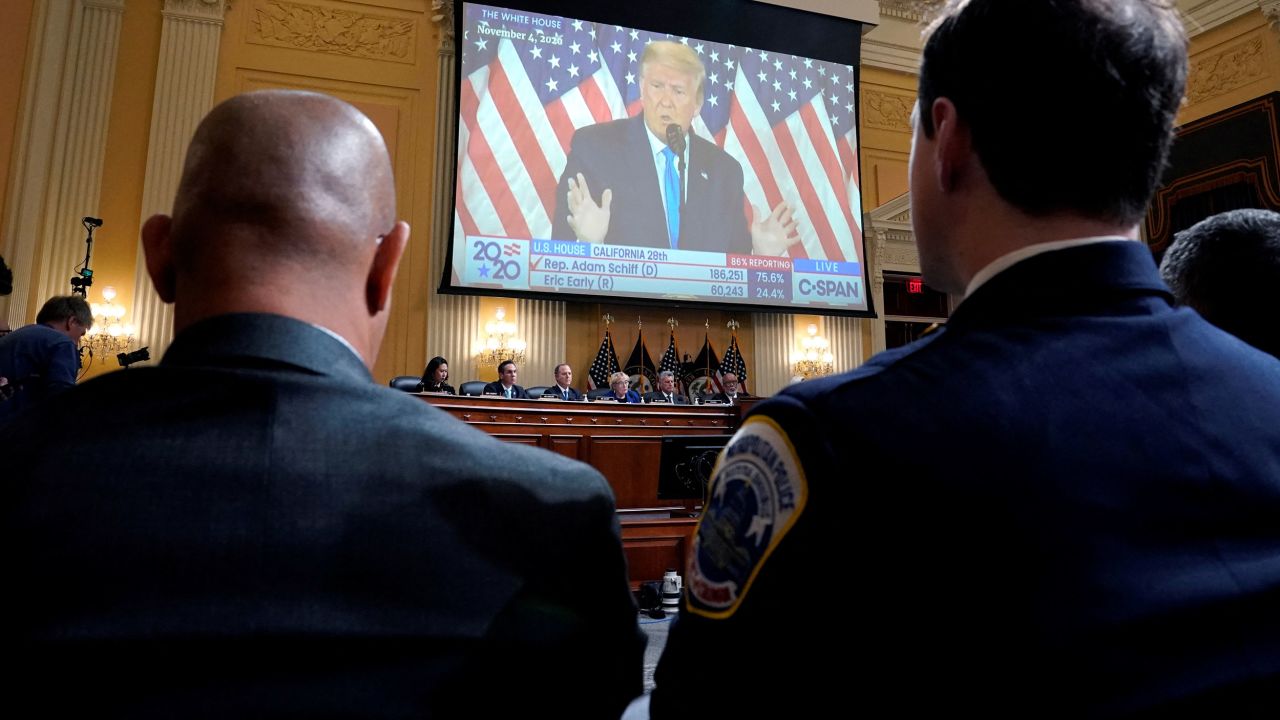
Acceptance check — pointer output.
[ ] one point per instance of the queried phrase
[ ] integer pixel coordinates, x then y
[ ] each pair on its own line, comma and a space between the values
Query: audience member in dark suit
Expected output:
264, 531
433, 378
619, 389
666, 392
631, 158
731, 391
1228, 269
563, 388
1064, 503
43, 359
505, 385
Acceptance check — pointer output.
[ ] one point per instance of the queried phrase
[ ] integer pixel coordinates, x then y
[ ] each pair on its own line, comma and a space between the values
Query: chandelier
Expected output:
501, 342
814, 358
108, 336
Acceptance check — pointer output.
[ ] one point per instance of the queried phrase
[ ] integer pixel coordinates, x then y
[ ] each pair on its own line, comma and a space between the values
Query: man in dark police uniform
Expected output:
1065, 503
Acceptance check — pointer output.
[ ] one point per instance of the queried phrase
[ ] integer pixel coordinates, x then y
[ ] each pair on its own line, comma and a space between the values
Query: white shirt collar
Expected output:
339, 338
1008, 260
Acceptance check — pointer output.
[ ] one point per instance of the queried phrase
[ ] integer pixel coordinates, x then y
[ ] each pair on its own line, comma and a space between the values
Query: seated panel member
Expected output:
619, 389
563, 389
731, 391
666, 392
433, 378
505, 386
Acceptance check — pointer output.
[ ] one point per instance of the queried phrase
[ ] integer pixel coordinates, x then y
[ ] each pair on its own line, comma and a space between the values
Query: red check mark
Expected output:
534, 266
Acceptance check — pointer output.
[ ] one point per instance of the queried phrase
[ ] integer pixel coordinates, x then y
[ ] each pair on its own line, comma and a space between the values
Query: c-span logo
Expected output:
758, 493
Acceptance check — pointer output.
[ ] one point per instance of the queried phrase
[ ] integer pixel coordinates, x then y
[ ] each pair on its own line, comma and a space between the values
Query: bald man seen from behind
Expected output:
254, 528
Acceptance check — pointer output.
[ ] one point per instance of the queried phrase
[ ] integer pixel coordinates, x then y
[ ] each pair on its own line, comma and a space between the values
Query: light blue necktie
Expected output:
508, 393
671, 188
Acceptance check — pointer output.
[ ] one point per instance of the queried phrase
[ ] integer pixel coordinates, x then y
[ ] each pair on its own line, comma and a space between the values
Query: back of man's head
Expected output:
1081, 118
286, 206
59, 308
1228, 267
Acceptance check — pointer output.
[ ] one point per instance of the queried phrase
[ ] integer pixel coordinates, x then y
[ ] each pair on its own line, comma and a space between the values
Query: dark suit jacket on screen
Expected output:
263, 531
617, 155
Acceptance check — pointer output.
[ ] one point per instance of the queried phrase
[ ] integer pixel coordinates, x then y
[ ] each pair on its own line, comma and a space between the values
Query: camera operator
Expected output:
43, 359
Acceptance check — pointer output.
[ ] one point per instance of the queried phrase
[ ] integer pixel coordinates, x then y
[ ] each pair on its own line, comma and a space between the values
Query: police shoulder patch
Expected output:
757, 493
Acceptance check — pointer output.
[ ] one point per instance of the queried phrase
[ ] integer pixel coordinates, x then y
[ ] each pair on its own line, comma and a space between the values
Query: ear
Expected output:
382, 274
952, 142
157, 247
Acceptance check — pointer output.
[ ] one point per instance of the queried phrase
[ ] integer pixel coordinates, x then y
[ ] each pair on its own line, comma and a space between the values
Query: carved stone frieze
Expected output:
332, 30
1234, 67
900, 255
886, 111
199, 10
909, 10
112, 5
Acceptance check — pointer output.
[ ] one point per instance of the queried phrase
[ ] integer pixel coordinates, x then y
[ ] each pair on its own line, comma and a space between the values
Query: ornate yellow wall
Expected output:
382, 55
1232, 63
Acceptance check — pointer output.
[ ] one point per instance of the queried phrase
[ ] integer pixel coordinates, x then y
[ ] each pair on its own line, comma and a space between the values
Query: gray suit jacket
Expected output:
264, 531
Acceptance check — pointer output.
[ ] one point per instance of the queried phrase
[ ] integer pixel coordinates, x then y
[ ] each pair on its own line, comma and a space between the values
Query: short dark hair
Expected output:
1228, 267
503, 364
61, 307
428, 375
1082, 116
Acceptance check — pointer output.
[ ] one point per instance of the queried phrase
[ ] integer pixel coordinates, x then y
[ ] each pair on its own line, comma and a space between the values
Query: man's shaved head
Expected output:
285, 200
293, 176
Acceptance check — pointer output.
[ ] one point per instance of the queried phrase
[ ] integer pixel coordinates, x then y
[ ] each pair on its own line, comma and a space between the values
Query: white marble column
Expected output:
453, 321
185, 74
774, 334
61, 142
32, 171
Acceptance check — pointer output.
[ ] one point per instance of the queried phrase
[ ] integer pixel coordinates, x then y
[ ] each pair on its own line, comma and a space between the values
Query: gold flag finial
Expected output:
608, 319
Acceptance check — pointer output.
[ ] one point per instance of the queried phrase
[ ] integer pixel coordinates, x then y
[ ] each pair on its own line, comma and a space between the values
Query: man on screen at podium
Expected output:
674, 189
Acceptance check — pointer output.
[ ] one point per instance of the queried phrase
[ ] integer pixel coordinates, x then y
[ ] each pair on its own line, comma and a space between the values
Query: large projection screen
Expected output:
722, 171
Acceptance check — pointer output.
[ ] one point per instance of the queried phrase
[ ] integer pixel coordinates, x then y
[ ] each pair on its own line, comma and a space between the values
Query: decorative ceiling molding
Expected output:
1201, 17
890, 56
893, 44
197, 10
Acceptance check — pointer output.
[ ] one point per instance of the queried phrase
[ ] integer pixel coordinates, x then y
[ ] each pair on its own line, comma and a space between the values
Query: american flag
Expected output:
671, 361
733, 363
605, 364
527, 86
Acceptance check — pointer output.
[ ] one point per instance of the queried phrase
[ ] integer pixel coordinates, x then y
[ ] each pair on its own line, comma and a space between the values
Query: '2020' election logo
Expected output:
757, 494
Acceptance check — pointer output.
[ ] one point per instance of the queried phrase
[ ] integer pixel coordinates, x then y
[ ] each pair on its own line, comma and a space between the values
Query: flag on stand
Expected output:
671, 362
605, 364
700, 374
788, 121
733, 363
641, 368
